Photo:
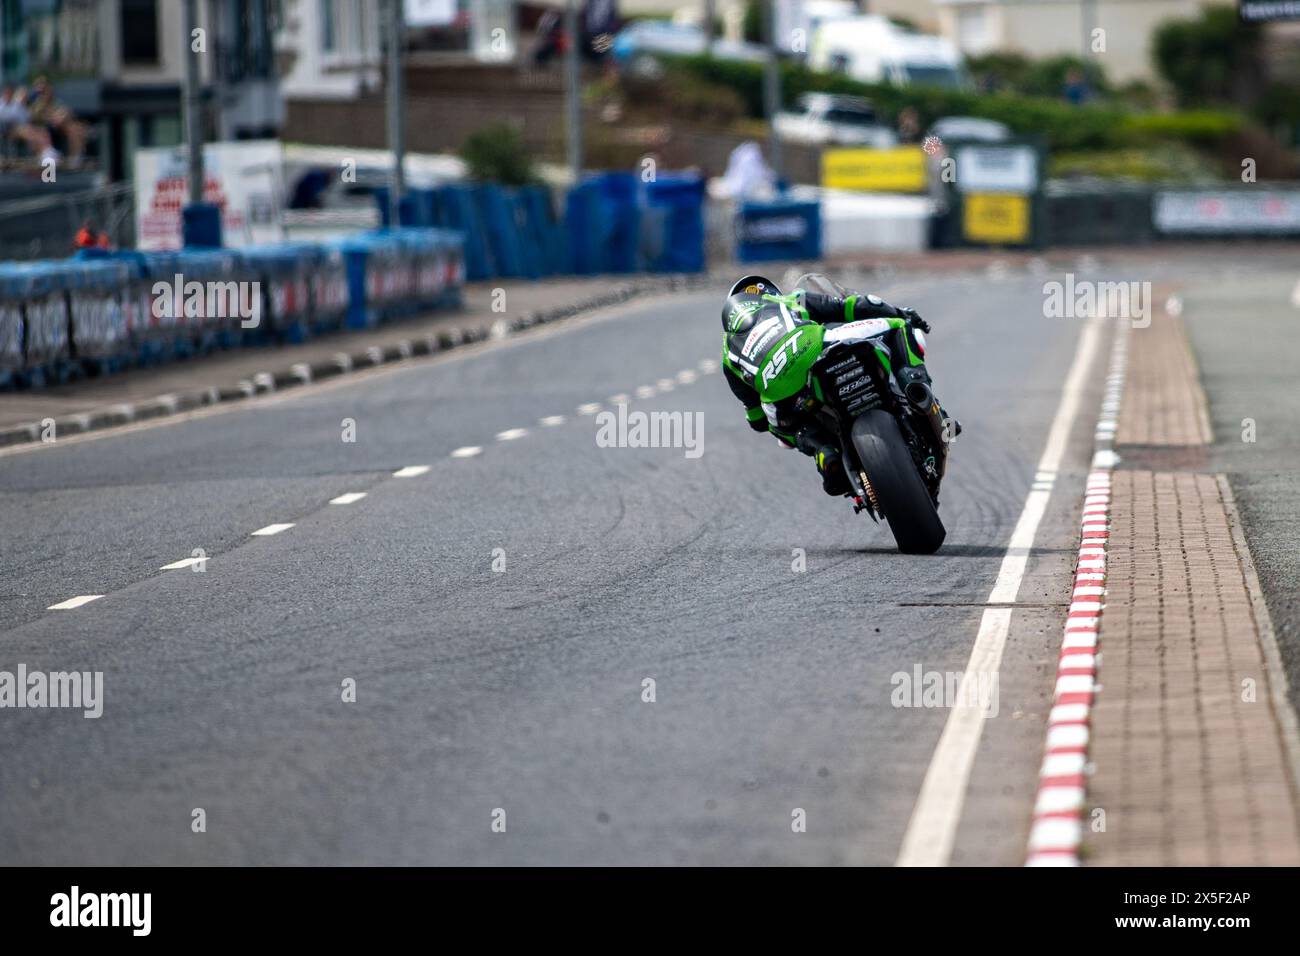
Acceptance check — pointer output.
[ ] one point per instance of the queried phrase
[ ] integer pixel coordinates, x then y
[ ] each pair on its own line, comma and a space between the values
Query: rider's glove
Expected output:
914, 319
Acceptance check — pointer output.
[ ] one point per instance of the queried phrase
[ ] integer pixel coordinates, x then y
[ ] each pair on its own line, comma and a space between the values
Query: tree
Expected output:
1211, 59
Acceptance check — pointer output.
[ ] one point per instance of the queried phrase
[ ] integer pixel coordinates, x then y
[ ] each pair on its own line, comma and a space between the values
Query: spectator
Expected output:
16, 123
86, 237
1076, 87
49, 112
909, 125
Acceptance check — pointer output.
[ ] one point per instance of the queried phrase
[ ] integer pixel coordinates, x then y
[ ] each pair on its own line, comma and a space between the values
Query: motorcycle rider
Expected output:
754, 317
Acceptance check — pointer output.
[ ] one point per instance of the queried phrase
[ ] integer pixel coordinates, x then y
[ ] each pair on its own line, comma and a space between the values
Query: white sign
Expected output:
429, 13
242, 178
997, 169
1227, 211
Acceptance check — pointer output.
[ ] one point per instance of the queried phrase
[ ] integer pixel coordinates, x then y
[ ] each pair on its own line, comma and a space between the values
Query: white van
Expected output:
871, 49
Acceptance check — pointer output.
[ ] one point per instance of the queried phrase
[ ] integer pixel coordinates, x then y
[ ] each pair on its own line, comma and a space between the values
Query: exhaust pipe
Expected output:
919, 394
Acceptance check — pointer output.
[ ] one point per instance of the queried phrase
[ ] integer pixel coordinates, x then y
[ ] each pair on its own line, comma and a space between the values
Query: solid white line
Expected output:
469, 451
77, 601
411, 471
271, 529
930, 832
182, 563
510, 434
347, 499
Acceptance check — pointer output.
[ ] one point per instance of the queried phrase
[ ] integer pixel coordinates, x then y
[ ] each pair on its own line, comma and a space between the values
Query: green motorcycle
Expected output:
853, 377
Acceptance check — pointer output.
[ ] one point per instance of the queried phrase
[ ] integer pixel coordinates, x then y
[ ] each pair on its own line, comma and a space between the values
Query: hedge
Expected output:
1060, 125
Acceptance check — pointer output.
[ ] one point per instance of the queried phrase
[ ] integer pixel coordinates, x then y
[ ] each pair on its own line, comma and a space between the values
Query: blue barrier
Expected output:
102, 311
680, 247
778, 229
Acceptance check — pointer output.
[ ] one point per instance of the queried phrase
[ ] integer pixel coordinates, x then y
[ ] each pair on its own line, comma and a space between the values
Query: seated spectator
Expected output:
16, 123
49, 112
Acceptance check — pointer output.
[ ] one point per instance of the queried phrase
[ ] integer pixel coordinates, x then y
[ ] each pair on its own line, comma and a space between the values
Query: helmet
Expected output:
744, 300
758, 285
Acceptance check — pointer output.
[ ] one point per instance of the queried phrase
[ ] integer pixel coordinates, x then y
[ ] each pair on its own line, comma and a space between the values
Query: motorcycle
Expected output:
892, 432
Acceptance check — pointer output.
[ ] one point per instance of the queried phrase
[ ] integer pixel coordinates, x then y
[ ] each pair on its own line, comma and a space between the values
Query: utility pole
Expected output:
573, 91
1088, 20
772, 91
710, 15
396, 111
193, 104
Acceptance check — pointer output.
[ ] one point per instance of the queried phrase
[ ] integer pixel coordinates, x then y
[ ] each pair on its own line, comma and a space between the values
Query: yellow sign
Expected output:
900, 169
1001, 218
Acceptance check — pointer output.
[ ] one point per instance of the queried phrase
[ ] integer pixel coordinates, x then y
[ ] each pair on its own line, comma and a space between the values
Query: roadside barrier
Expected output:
778, 229
613, 222
101, 311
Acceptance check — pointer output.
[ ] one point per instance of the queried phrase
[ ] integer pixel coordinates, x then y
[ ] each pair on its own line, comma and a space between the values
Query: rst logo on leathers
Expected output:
779, 358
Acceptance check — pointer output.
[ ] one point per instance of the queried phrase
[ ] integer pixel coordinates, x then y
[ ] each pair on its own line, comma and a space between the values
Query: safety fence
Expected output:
1059, 213
102, 311
613, 222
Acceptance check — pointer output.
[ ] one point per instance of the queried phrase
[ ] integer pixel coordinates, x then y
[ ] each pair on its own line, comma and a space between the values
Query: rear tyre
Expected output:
898, 486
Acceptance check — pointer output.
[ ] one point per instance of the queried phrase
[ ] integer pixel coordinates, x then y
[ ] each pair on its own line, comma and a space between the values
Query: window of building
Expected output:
138, 26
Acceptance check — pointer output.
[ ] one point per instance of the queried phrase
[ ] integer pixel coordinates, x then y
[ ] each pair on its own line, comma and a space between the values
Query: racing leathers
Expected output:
754, 323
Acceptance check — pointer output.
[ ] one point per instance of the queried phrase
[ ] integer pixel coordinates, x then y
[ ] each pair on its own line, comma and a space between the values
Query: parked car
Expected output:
638, 46
971, 128
872, 49
827, 119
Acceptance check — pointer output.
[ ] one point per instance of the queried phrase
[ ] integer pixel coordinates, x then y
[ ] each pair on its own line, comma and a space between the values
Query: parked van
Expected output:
872, 49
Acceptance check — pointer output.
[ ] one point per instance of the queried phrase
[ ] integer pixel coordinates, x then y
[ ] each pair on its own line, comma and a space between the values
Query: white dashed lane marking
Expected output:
271, 529
510, 434
77, 601
686, 376
182, 563
411, 471
591, 408
550, 421
347, 499
620, 399
645, 391
469, 451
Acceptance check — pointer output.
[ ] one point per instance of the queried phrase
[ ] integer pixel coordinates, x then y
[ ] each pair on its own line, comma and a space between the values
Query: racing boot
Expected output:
817, 444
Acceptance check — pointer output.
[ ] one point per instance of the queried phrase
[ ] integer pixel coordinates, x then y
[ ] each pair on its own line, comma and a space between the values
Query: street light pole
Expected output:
193, 105
772, 91
396, 113
573, 91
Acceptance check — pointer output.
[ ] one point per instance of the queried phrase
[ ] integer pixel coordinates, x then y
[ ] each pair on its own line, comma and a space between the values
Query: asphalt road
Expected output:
521, 689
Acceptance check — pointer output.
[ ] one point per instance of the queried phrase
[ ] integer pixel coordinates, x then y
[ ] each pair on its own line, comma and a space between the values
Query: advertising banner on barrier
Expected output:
1250, 211
900, 169
242, 178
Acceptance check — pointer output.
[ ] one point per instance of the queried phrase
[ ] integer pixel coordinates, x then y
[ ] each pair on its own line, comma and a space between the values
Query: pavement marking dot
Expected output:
591, 408
664, 384
348, 498
469, 451
645, 391
686, 376
411, 471
510, 434
77, 601
620, 399
182, 563
551, 420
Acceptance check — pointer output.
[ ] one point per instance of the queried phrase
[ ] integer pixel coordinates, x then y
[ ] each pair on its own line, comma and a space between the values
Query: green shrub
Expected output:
1059, 125
498, 154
